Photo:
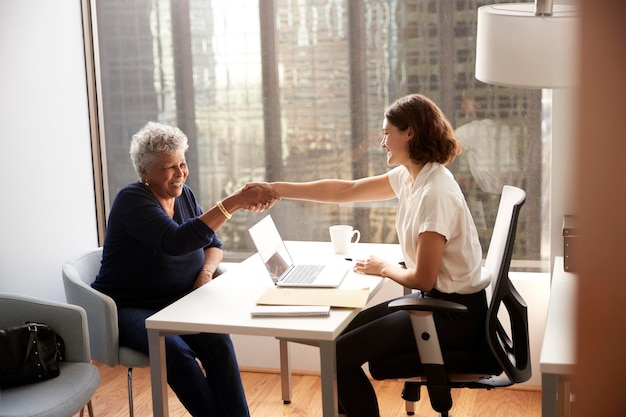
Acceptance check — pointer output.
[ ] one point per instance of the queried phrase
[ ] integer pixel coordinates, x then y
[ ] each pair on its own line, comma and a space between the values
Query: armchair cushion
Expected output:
68, 388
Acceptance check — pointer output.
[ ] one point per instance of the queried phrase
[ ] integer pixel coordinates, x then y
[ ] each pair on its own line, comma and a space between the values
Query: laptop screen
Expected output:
276, 266
271, 247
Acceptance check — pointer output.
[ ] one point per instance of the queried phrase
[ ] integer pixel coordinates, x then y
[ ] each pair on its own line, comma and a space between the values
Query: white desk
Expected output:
224, 304
558, 352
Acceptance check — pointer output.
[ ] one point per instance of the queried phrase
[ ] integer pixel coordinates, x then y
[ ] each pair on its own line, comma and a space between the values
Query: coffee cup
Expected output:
343, 237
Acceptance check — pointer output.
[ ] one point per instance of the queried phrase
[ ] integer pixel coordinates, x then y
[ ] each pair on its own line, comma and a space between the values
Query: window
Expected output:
305, 101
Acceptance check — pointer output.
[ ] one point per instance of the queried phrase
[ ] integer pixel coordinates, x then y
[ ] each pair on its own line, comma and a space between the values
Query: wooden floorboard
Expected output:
264, 398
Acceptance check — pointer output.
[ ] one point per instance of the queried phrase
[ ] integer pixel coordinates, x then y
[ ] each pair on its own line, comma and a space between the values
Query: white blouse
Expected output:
435, 203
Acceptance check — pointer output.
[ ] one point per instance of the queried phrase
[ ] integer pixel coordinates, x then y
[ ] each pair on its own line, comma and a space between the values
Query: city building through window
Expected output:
295, 90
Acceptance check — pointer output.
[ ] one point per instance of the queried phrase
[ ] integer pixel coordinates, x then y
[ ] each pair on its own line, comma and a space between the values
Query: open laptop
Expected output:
280, 266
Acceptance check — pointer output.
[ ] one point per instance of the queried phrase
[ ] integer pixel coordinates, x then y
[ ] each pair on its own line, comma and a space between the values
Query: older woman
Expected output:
159, 246
437, 236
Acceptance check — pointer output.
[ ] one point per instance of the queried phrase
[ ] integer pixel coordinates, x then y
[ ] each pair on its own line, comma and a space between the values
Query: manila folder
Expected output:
315, 296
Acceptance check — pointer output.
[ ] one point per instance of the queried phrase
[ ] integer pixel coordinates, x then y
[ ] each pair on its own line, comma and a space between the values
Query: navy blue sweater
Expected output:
149, 259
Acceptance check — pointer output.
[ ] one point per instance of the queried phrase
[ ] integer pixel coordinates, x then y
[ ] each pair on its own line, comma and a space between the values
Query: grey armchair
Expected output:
78, 274
69, 392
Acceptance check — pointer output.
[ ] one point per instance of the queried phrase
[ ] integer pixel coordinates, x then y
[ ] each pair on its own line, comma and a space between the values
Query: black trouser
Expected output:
377, 331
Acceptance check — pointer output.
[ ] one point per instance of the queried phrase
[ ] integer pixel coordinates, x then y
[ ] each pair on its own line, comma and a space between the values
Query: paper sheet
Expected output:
315, 296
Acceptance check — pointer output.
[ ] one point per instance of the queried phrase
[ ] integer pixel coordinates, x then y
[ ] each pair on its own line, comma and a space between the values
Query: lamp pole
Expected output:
543, 7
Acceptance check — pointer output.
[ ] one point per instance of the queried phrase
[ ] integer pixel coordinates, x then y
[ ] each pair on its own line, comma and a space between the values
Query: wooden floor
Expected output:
264, 398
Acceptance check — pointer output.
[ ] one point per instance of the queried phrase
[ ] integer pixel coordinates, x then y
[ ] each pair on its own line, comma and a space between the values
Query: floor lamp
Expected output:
531, 45
534, 45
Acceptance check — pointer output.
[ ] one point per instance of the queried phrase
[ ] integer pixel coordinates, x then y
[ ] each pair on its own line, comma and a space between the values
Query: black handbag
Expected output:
29, 353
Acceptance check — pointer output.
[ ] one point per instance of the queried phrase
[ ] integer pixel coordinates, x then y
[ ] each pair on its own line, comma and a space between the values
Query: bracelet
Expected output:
223, 210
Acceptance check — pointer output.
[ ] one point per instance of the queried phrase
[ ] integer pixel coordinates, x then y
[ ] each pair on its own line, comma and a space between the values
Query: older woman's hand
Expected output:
257, 197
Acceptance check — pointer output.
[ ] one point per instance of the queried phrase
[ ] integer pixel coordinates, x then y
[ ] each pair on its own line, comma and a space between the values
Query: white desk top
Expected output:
224, 304
558, 352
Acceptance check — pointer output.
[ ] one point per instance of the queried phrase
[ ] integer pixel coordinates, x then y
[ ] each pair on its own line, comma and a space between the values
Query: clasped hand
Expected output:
259, 197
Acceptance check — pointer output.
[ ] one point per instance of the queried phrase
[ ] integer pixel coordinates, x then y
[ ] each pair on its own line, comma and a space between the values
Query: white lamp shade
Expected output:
514, 47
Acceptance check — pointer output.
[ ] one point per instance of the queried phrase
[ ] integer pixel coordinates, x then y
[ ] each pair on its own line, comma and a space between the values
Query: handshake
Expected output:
258, 197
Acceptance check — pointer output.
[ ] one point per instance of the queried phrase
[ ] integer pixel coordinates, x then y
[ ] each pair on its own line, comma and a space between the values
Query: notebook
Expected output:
280, 266
290, 311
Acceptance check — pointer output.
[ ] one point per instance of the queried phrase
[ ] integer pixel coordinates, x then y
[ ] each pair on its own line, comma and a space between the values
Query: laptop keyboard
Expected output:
304, 273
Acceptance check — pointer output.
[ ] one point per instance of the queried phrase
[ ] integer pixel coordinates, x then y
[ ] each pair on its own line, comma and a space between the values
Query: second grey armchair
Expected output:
78, 274
68, 393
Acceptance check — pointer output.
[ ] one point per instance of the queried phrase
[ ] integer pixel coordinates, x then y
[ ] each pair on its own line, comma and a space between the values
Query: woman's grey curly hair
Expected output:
152, 139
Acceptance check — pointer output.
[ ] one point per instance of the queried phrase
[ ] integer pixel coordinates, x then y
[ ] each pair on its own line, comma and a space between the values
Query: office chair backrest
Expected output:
503, 235
512, 352
78, 274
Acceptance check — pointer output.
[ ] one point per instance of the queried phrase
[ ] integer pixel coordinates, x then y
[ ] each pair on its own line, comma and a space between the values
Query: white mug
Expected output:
341, 236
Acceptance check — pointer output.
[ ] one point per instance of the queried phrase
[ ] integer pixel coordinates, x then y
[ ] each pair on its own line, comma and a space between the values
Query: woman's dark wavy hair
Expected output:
434, 139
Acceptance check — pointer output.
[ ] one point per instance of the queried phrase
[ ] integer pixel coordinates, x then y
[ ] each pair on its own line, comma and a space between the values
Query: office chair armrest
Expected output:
426, 304
424, 330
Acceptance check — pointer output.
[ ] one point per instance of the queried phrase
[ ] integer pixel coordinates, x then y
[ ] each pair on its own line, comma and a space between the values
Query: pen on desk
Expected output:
349, 259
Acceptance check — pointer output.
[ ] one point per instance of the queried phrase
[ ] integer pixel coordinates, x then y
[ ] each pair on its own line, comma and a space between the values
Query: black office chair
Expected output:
503, 359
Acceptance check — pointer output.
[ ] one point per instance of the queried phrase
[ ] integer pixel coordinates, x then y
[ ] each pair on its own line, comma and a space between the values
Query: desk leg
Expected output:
285, 371
555, 395
158, 377
328, 368
565, 397
549, 395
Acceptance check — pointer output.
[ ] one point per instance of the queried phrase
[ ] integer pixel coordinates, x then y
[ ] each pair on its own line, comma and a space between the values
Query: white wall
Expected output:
47, 211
